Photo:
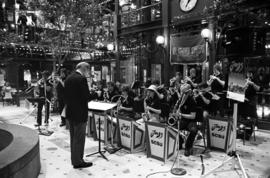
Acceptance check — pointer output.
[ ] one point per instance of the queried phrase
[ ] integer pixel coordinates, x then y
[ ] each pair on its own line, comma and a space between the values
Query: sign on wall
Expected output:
187, 49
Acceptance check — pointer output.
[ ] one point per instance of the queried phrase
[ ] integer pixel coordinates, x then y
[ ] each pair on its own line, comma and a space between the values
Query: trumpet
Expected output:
212, 78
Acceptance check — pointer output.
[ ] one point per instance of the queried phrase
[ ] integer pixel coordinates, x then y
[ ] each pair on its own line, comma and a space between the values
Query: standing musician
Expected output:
217, 84
248, 109
44, 92
186, 111
60, 93
152, 104
193, 79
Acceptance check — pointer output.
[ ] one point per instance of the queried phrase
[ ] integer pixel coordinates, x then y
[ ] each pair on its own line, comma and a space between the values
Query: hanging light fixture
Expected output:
206, 33
110, 46
160, 39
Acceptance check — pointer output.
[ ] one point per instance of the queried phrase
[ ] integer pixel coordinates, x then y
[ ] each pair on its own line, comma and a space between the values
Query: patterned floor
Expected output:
55, 155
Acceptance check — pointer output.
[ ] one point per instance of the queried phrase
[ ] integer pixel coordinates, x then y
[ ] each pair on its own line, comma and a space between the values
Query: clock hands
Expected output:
187, 3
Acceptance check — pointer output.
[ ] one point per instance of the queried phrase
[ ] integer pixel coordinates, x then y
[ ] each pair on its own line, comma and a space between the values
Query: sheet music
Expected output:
100, 106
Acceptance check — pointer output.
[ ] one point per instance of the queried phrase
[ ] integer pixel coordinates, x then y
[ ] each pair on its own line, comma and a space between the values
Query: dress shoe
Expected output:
62, 124
83, 165
37, 125
188, 152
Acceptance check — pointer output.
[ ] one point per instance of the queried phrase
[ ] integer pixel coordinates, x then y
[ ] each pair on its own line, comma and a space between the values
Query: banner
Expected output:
236, 82
218, 130
125, 133
187, 49
156, 136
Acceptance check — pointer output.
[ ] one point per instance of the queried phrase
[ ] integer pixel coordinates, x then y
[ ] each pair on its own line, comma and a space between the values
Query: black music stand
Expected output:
234, 158
100, 107
99, 144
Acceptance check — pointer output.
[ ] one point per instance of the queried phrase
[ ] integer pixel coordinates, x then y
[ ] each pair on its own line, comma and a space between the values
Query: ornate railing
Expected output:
142, 15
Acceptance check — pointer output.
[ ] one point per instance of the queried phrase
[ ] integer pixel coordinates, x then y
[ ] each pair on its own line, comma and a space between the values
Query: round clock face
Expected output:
187, 5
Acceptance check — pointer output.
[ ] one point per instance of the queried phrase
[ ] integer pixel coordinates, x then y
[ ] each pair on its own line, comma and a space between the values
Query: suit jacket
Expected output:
77, 96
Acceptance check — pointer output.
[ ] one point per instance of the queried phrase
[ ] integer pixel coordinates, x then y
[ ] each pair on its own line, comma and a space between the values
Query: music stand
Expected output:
234, 157
100, 107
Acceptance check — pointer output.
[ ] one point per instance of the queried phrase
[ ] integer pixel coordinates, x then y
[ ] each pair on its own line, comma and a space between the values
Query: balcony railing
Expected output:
142, 15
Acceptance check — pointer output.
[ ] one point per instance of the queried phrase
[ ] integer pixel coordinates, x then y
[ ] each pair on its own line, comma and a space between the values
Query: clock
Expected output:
187, 5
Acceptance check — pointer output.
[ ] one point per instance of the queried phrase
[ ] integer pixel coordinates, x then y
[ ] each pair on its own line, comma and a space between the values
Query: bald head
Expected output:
83, 67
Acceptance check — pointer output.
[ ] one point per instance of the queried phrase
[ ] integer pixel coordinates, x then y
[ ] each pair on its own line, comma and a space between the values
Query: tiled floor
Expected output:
55, 155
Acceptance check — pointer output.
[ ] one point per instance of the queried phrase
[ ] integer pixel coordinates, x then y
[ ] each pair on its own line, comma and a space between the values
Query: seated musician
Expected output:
187, 113
99, 91
45, 98
127, 102
139, 96
152, 105
202, 100
217, 84
160, 90
110, 92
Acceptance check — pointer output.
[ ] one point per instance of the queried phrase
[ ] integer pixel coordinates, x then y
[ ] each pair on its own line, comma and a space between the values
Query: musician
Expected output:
187, 112
138, 106
44, 91
60, 93
248, 109
152, 105
202, 100
127, 101
110, 92
99, 91
217, 84
7, 92
193, 79
176, 80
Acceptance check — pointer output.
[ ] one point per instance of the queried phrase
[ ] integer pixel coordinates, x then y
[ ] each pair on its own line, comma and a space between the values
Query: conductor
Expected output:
77, 96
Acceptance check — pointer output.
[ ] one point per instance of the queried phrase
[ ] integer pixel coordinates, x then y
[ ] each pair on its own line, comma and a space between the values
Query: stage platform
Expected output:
55, 155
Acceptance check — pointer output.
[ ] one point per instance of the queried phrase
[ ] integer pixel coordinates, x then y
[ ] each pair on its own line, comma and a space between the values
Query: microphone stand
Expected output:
177, 170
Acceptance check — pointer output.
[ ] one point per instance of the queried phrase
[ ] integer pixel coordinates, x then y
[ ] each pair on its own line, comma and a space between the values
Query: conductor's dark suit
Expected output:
76, 97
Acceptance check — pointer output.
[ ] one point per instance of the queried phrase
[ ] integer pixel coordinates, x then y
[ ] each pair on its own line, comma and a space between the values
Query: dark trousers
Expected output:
190, 126
61, 107
39, 112
217, 106
77, 142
